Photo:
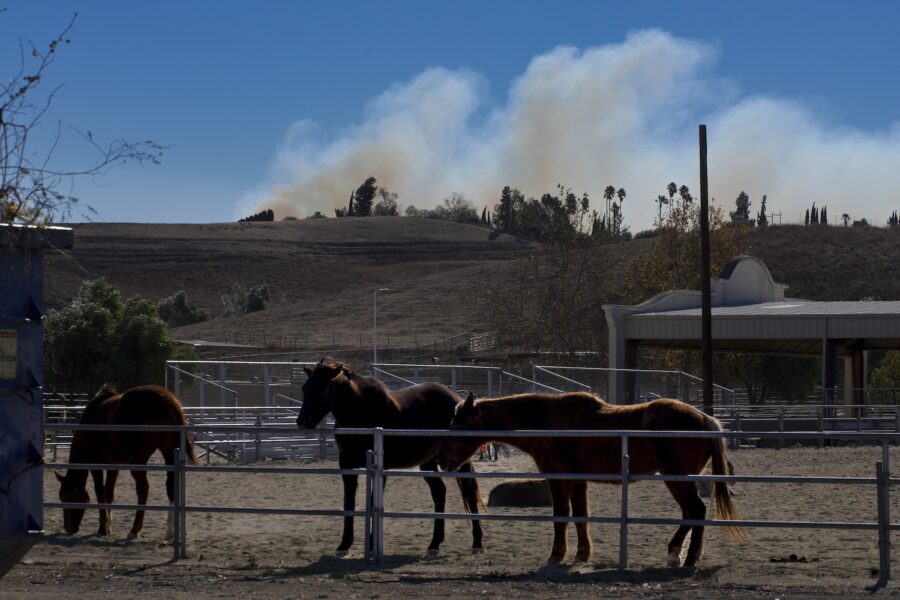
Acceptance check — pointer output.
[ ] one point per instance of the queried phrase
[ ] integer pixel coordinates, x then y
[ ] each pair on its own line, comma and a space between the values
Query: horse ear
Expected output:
469, 402
59, 477
309, 371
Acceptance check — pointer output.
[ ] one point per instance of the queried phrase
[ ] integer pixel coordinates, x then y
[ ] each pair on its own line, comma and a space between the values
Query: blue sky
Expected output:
292, 104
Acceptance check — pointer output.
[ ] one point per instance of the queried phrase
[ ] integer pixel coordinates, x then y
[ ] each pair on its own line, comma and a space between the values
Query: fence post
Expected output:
223, 398
258, 439
176, 385
178, 502
781, 426
266, 389
367, 533
623, 518
378, 496
897, 420
882, 477
323, 450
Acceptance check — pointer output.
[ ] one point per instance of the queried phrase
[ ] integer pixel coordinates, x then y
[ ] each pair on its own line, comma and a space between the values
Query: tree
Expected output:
243, 299
887, 374
30, 183
673, 263
177, 310
503, 211
741, 213
823, 219
845, 219
765, 376
660, 200
761, 219
363, 197
387, 204
99, 338
608, 194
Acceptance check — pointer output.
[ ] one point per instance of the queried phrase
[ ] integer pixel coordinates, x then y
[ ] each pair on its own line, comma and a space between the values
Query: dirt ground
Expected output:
293, 557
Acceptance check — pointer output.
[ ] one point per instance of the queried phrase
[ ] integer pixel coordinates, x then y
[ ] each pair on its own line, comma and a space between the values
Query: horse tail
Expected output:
725, 508
461, 482
179, 418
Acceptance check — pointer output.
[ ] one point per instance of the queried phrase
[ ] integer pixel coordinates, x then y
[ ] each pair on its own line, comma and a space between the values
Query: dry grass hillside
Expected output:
322, 273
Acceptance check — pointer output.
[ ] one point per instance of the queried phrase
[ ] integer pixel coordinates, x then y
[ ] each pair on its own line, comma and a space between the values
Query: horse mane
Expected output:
107, 391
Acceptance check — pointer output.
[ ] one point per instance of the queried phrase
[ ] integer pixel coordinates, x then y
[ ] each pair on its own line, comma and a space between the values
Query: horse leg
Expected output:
350, 484
109, 489
561, 493
143, 490
580, 508
439, 497
471, 497
97, 476
692, 507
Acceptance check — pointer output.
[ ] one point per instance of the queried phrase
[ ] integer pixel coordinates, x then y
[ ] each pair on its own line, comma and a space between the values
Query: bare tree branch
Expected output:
29, 186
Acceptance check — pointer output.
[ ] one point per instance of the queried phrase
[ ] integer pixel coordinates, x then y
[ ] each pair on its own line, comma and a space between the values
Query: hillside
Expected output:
322, 273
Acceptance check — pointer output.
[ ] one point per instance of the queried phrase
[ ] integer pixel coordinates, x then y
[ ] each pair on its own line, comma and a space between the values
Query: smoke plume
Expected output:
622, 114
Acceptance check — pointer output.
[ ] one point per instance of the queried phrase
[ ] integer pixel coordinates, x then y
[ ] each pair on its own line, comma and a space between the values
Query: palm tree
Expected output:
845, 218
660, 200
686, 197
609, 193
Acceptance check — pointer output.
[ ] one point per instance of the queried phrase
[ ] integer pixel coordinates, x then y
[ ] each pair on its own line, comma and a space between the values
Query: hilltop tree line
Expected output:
263, 215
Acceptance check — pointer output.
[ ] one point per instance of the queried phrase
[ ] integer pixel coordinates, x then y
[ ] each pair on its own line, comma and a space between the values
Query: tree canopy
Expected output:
100, 338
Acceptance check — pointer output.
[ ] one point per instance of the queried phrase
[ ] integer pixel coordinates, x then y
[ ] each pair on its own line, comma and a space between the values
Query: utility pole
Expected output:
705, 289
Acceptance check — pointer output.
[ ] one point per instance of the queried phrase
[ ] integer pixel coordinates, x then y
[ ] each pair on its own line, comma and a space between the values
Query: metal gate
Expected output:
21, 381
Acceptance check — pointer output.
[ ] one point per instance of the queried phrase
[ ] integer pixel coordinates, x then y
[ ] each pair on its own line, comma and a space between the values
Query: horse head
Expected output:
70, 492
319, 392
456, 450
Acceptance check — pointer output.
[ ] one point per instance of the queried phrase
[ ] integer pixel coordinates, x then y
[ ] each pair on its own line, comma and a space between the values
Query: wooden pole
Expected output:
705, 290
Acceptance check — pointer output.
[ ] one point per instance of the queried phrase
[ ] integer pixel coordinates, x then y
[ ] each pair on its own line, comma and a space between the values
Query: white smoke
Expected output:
623, 114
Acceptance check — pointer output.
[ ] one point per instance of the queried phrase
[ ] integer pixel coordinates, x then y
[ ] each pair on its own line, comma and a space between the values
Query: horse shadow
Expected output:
331, 564
335, 566
64, 540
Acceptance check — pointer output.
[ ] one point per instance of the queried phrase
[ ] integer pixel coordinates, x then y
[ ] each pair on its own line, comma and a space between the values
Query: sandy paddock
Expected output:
287, 556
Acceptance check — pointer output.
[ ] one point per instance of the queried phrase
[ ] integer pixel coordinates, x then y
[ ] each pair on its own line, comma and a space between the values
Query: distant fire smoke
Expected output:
621, 114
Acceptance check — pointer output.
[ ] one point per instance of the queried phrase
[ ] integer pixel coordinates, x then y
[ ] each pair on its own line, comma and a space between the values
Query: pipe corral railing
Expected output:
374, 513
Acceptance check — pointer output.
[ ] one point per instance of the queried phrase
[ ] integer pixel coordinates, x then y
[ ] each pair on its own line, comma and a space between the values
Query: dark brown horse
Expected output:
363, 402
578, 410
145, 405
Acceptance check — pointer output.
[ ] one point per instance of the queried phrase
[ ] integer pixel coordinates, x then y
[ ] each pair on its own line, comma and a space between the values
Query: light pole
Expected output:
375, 327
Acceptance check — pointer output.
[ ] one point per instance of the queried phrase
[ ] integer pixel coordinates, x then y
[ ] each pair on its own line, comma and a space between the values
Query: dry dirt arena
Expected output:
243, 556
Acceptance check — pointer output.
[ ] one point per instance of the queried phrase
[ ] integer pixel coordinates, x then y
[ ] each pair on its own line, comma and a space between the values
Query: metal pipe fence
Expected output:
375, 473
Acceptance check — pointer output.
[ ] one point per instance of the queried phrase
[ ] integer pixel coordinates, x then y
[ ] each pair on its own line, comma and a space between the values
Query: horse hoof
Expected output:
132, 535
673, 560
431, 553
341, 552
477, 551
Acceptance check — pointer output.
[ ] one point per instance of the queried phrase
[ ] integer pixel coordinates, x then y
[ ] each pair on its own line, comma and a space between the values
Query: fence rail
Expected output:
374, 473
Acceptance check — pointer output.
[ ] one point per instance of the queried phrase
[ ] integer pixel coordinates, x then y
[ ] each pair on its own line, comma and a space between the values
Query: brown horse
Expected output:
145, 405
363, 402
578, 410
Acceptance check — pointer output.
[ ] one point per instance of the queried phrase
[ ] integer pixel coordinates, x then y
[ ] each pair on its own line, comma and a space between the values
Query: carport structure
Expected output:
750, 314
